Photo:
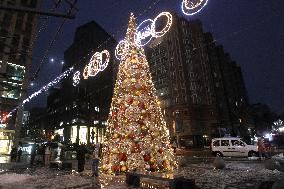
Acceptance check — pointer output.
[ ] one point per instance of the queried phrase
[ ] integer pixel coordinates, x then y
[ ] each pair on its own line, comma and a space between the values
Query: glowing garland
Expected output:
76, 78
191, 7
96, 64
50, 84
147, 29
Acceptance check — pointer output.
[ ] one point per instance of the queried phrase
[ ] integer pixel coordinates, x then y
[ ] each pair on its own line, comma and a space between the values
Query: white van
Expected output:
232, 146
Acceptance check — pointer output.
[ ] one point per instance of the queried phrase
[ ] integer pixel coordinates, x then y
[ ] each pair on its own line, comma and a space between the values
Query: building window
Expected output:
11, 92
15, 72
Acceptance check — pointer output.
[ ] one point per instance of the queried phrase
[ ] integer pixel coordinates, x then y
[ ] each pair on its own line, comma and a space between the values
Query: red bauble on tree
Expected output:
147, 157
122, 157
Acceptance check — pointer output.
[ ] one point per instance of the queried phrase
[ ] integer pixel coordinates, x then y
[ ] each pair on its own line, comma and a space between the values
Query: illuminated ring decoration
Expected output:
121, 49
145, 32
93, 66
166, 28
96, 64
103, 65
190, 8
76, 78
149, 31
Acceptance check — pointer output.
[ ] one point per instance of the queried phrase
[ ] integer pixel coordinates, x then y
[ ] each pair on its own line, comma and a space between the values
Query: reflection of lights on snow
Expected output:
190, 7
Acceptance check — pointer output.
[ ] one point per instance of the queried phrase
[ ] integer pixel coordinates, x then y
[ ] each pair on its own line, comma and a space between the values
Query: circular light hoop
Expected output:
76, 78
103, 65
94, 64
166, 28
186, 9
192, 6
121, 49
86, 72
140, 34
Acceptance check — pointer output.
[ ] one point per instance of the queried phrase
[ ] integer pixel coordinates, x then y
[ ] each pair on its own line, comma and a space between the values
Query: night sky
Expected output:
252, 31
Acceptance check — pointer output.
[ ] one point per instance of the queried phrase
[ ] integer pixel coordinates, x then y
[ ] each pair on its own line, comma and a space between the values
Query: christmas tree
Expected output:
136, 136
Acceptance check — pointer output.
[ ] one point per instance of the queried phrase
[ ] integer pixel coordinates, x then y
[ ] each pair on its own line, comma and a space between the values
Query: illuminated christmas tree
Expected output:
136, 136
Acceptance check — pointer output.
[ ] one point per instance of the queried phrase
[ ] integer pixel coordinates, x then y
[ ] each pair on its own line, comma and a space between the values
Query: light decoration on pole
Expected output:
50, 84
76, 78
191, 7
137, 138
147, 29
98, 62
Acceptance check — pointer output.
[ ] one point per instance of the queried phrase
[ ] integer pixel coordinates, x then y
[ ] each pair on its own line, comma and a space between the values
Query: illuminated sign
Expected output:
147, 29
96, 64
191, 7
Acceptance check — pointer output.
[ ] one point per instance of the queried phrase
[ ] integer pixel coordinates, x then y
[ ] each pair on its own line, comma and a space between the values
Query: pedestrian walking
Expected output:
81, 152
261, 148
47, 155
96, 159
19, 154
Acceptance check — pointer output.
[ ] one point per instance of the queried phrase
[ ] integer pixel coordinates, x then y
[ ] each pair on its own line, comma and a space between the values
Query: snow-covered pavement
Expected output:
236, 175
46, 178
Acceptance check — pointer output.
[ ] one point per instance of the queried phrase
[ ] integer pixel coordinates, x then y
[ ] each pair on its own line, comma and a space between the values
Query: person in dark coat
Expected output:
19, 154
96, 159
33, 154
81, 152
13, 154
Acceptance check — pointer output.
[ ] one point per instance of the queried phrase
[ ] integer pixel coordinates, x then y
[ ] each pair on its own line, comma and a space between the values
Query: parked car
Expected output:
232, 146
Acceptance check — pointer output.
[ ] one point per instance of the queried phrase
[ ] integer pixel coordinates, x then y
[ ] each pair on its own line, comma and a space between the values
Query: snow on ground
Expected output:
236, 175
13, 178
46, 178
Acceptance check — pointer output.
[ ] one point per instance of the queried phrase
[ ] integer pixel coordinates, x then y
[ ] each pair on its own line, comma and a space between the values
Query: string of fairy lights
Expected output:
83, 59
187, 6
96, 63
